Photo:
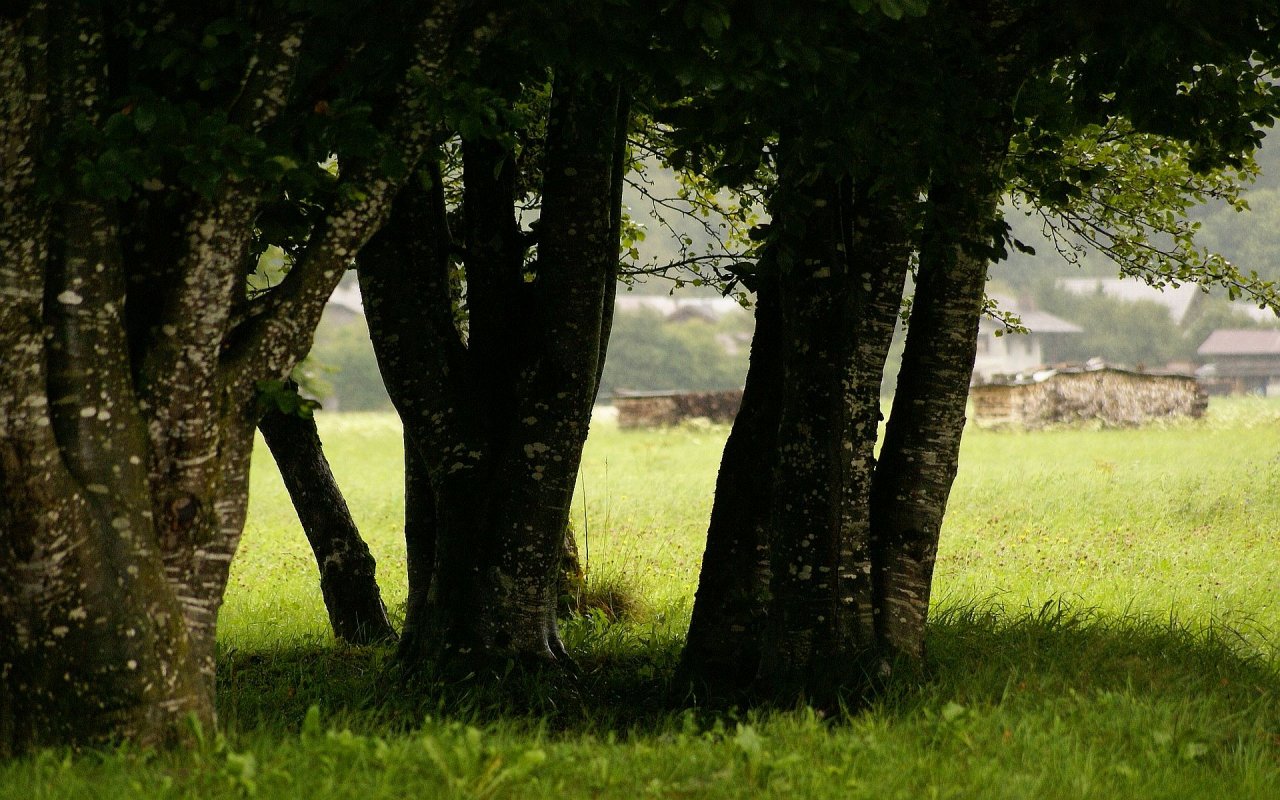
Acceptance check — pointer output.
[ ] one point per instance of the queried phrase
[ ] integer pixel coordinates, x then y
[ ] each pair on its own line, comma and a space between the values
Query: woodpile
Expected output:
1114, 397
653, 409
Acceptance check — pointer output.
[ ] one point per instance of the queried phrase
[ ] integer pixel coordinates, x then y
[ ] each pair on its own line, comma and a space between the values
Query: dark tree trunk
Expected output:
722, 651
497, 422
347, 568
819, 640
920, 454
420, 537
786, 592
405, 284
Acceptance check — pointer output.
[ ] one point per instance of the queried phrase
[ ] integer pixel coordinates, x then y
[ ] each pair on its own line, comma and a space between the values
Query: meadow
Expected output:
1106, 624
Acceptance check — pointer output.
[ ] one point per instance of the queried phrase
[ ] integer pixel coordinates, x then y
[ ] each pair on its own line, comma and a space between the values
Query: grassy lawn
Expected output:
1107, 624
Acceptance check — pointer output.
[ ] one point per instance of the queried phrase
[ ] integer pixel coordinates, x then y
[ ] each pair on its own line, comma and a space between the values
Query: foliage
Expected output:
1244, 235
647, 353
344, 362
283, 396
701, 232
1127, 195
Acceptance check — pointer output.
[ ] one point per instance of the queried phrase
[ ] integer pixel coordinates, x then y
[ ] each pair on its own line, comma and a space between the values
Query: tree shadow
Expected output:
984, 654
991, 652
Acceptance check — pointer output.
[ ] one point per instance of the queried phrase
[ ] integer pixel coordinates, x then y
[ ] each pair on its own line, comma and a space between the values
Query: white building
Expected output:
1013, 353
707, 307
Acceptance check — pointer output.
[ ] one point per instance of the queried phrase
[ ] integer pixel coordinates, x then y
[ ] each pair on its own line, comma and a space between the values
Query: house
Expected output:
1114, 397
679, 309
1001, 353
1180, 301
1241, 361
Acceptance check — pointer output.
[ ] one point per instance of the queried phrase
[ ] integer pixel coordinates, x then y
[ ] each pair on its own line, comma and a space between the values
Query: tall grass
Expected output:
1105, 625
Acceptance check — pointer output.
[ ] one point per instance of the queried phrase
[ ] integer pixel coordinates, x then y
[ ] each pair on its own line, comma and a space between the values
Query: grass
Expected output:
1106, 625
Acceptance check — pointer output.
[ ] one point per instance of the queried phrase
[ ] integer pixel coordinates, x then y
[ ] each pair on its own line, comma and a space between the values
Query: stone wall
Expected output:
651, 409
1115, 397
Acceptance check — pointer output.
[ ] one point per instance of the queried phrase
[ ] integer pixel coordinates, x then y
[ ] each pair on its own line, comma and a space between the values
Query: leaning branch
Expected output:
278, 328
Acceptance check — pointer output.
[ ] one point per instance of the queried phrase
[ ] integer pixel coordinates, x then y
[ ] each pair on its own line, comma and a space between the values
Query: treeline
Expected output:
647, 351
1137, 334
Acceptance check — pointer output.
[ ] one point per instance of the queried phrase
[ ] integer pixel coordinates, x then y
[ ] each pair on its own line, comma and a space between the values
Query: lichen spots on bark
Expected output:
495, 424
127, 400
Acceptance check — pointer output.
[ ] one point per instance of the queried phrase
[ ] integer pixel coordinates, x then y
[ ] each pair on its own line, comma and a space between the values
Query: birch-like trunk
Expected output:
920, 454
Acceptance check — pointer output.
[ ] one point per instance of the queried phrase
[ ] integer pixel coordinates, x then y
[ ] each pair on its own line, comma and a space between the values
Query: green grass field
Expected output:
1107, 624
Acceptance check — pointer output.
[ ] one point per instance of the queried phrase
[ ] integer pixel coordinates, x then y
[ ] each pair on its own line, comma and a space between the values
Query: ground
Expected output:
1107, 625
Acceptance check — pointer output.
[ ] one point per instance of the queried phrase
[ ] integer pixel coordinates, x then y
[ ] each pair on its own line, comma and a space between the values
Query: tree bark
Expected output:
125, 443
722, 651
347, 569
837, 319
920, 454
420, 541
498, 420
785, 599
92, 637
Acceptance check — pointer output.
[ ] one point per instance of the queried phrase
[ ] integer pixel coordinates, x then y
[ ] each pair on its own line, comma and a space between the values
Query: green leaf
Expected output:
144, 118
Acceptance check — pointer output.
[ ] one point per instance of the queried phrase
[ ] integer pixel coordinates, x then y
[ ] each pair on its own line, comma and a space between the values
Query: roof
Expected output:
1177, 299
666, 305
1034, 320
1241, 342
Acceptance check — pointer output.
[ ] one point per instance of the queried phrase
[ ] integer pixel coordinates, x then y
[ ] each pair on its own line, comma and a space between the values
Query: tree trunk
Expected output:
125, 443
919, 458
347, 568
837, 319
498, 420
420, 541
722, 652
93, 640
84, 662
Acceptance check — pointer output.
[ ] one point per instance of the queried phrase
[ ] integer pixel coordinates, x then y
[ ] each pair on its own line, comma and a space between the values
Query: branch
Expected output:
279, 327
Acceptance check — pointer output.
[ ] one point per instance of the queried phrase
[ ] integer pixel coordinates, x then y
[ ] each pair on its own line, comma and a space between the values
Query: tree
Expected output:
347, 568
850, 542
495, 417
151, 153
